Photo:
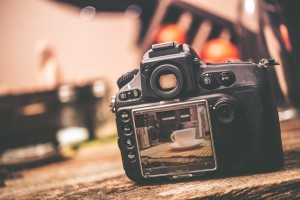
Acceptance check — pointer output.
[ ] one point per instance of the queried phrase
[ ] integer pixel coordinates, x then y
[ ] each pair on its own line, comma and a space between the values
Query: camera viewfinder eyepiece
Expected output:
166, 81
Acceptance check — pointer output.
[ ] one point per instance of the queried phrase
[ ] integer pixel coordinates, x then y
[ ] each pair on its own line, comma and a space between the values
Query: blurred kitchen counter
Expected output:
96, 172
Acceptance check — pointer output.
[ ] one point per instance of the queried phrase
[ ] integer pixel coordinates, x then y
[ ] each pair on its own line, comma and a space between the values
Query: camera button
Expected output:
129, 143
136, 93
131, 156
227, 78
125, 116
127, 129
225, 113
129, 94
208, 81
123, 96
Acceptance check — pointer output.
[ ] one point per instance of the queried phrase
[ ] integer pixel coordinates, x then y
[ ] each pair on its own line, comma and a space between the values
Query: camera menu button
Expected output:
125, 115
208, 81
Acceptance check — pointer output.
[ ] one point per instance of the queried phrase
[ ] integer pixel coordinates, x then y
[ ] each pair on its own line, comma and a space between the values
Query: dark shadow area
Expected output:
13, 171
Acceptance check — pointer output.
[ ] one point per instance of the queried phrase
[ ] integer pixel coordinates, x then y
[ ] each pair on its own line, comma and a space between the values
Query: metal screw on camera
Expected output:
196, 61
268, 62
147, 70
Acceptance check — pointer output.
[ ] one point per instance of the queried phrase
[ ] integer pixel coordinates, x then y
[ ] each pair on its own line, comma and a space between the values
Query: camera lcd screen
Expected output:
174, 139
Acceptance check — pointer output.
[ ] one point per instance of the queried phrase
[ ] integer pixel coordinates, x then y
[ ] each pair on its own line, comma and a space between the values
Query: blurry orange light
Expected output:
219, 50
285, 36
170, 33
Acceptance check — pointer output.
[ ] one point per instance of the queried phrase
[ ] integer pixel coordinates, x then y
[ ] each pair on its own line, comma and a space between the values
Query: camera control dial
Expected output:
225, 113
126, 78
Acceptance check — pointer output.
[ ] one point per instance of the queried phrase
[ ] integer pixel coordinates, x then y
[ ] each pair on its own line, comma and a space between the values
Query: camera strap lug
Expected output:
112, 104
265, 63
196, 61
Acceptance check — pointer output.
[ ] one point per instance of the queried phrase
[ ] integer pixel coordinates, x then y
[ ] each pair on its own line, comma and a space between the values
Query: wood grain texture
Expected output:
97, 173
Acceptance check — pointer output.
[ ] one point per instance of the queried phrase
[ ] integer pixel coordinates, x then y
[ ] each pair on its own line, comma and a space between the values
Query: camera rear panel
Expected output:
253, 90
148, 154
244, 128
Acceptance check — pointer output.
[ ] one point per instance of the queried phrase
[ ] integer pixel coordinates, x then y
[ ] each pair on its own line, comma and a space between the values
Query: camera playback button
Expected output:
208, 81
127, 129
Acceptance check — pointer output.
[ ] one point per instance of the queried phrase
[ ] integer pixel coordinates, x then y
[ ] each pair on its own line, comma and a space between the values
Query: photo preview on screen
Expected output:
174, 139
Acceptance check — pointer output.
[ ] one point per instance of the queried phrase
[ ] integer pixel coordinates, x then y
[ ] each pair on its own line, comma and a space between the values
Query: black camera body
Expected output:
178, 117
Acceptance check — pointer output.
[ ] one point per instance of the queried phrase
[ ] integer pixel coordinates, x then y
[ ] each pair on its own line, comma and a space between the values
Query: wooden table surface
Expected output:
96, 173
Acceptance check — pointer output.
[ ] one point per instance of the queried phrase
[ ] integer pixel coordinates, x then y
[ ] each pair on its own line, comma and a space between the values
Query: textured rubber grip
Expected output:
126, 78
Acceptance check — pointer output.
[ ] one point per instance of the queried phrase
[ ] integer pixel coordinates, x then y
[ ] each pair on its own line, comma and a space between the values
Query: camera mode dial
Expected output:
126, 78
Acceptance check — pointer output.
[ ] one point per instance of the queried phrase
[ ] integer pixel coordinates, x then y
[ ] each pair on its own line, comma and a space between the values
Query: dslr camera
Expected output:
178, 117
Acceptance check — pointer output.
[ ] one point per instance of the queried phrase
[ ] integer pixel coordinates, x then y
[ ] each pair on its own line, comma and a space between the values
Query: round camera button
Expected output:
127, 129
208, 81
136, 93
129, 143
131, 156
123, 96
225, 113
125, 115
227, 78
129, 94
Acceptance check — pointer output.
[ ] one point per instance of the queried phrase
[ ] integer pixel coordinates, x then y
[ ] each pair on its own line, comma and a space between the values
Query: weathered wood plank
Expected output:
97, 173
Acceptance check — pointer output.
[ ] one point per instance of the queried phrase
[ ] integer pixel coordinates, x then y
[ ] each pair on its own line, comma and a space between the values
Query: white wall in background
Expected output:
103, 46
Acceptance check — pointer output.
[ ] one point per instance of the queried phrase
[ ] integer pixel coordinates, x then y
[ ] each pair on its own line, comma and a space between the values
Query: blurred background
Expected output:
59, 61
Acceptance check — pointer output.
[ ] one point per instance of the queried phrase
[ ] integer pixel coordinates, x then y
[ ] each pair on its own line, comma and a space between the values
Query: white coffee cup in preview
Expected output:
184, 136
